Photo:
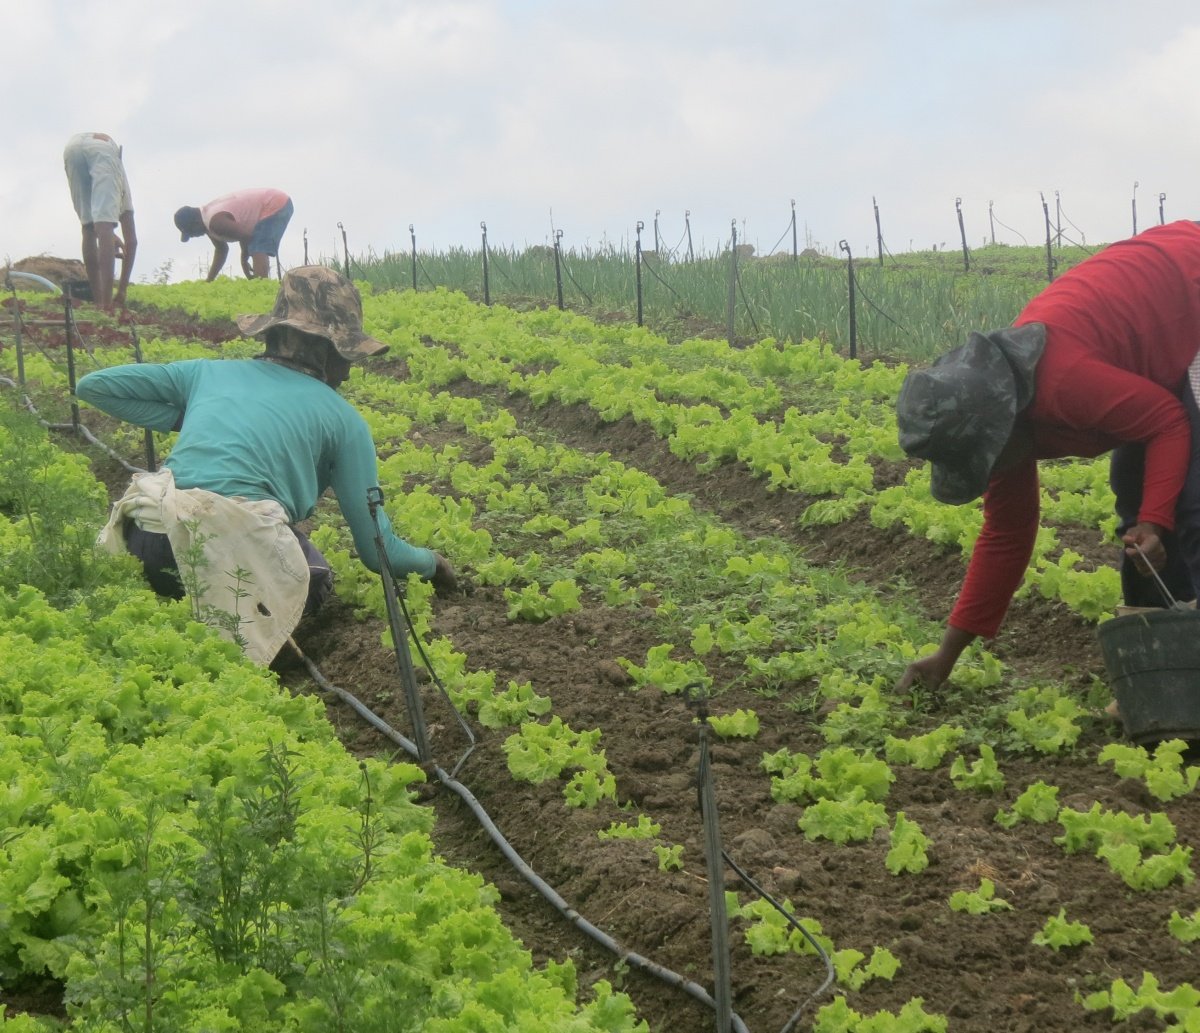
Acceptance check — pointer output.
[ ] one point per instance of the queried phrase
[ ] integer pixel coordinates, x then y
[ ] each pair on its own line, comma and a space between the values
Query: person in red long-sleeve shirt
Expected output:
1098, 361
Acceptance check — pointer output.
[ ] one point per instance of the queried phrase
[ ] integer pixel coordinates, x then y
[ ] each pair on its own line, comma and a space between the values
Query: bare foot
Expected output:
1113, 711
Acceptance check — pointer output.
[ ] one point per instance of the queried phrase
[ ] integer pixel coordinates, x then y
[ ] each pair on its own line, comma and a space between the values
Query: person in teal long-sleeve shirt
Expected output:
272, 428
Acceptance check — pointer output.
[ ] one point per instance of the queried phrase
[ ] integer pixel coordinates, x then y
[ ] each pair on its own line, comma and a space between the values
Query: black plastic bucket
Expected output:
1153, 662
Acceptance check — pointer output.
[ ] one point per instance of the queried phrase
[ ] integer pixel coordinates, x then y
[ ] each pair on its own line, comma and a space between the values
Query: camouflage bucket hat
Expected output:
959, 413
316, 300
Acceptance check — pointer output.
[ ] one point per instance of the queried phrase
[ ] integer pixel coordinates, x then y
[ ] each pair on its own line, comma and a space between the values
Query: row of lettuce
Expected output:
187, 847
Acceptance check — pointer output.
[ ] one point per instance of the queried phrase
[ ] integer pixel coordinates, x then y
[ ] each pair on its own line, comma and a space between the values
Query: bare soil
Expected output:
984, 973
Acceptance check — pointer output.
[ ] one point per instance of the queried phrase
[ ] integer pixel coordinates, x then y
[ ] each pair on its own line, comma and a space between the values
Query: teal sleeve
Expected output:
354, 473
146, 394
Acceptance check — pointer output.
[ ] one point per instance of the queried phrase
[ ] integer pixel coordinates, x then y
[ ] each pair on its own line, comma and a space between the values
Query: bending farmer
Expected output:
102, 199
1099, 360
255, 219
259, 441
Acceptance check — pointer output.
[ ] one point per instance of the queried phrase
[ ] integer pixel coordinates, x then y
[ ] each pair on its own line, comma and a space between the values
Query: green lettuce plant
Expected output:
1163, 772
1058, 932
982, 901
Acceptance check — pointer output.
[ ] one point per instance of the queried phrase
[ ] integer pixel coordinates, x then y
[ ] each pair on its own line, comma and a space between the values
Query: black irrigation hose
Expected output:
888, 251
536, 881
1011, 230
786, 230
650, 268
511, 282
745, 301
1076, 229
830, 973
425, 273
571, 277
867, 299
672, 252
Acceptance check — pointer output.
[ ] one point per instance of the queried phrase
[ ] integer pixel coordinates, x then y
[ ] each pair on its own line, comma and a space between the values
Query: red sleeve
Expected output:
1116, 405
1002, 551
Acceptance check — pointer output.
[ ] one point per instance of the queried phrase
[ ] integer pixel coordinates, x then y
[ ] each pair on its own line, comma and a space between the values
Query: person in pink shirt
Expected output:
254, 219
1103, 359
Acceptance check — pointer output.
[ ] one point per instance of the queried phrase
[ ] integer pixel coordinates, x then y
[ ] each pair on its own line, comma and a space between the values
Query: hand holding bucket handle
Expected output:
1172, 604
1144, 545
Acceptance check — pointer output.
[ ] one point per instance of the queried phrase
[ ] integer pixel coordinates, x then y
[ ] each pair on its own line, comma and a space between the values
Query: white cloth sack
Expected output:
233, 533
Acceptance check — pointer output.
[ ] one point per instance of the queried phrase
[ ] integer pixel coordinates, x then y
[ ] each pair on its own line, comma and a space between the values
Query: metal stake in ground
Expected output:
637, 264
408, 677
714, 861
68, 326
1049, 251
731, 296
487, 290
151, 460
851, 303
16, 308
558, 266
962, 232
413, 234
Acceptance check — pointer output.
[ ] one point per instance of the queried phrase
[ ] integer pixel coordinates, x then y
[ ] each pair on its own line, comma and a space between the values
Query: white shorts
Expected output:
99, 186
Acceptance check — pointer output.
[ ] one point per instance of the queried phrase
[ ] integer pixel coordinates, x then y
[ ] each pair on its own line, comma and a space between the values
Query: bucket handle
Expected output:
1171, 603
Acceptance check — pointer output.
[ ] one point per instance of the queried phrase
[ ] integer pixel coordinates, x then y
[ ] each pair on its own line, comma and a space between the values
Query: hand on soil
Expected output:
931, 671
444, 580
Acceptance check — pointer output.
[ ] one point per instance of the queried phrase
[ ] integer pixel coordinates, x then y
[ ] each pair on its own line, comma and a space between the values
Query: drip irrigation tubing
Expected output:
1011, 230
493, 266
672, 252
1074, 243
425, 273
830, 971
888, 252
786, 230
867, 299
745, 301
650, 268
510, 853
571, 277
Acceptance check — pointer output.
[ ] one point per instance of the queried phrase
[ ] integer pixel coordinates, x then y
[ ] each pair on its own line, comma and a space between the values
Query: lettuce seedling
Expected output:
984, 774
1058, 932
980, 902
1039, 803
908, 846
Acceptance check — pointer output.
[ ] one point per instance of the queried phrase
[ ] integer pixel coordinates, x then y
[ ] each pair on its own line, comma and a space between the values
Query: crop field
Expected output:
645, 531
914, 304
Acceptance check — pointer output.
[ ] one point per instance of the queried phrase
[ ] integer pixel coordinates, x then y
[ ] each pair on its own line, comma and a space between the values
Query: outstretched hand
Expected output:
444, 580
930, 671
933, 670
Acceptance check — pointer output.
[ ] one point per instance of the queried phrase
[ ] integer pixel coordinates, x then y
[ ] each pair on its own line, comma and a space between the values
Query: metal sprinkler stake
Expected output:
714, 861
408, 677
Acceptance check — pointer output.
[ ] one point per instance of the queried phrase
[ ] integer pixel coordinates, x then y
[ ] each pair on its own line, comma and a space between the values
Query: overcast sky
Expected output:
587, 116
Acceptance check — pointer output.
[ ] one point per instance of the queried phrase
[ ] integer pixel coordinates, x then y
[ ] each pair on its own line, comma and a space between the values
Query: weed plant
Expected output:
50, 510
